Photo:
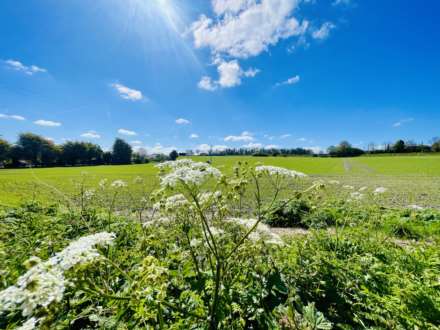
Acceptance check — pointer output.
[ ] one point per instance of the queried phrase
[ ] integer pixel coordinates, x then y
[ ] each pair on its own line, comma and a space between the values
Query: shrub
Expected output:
288, 213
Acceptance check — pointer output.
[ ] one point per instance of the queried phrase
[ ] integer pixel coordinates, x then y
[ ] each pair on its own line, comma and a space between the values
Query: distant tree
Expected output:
344, 149
121, 152
5, 148
16, 155
50, 153
107, 157
174, 155
399, 146
436, 146
32, 147
81, 153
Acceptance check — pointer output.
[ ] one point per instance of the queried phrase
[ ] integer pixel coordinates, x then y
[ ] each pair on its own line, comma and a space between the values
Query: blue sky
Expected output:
166, 74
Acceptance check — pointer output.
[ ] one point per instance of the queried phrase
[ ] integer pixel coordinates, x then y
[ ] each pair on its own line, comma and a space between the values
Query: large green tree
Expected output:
121, 152
5, 148
84, 153
36, 149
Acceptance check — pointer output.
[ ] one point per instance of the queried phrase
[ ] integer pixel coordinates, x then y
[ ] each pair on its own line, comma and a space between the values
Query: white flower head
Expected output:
44, 282
415, 207
261, 233
357, 195
186, 171
348, 187
29, 324
119, 184
380, 190
278, 171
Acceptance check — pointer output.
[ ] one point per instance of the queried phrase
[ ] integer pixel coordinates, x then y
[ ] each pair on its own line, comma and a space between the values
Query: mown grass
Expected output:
410, 179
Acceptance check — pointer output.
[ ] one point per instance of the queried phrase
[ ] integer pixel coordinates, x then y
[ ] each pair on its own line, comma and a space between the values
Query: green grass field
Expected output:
410, 179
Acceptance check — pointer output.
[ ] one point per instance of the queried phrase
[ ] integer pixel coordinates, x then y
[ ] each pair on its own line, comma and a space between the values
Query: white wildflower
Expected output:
176, 201
357, 195
380, 190
89, 193
206, 198
118, 184
190, 175
103, 183
279, 171
138, 180
348, 187
335, 182
261, 232
29, 324
361, 189
39, 286
81, 251
195, 242
44, 282
415, 207
216, 231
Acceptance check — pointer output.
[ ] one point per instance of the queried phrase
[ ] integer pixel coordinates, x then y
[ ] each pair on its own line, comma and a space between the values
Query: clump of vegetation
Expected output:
288, 213
195, 254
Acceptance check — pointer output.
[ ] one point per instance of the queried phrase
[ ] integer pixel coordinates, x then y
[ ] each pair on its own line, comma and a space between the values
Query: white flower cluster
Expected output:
187, 171
261, 232
380, 190
357, 195
176, 202
279, 171
44, 282
208, 198
118, 184
29, 324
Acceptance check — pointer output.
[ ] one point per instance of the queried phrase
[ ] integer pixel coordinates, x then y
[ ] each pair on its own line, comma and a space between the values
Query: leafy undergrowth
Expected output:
198, 260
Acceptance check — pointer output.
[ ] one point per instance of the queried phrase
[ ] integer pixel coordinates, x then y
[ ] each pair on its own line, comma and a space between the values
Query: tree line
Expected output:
345, 149
35, 150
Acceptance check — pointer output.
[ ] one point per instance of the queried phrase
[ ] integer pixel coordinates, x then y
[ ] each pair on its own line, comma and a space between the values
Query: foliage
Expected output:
194, 254
288, 213
344, 149
121, 152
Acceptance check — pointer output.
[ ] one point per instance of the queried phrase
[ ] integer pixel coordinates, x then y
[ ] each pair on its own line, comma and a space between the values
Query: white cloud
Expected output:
194, 136
316, 149
127, 132
230, 75
324, 31
341, 2
182, 121
136, 142
243, 137
243, 29
29, 70
246, 28
230, 6
160, 149
269, 137
91, 135
206, 148
207, 84
14, 117
291, 81
285, 136
127, 93
402, 122
271, 146
252, 145
47, 123
302, 139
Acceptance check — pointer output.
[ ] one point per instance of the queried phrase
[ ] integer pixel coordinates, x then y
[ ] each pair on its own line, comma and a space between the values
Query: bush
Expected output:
288, 213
